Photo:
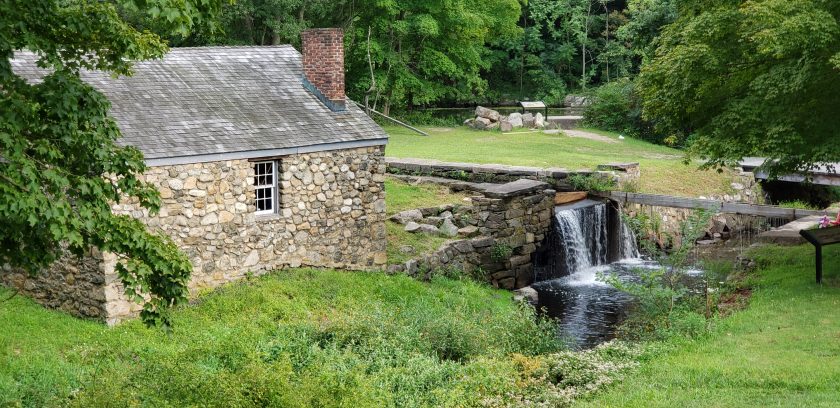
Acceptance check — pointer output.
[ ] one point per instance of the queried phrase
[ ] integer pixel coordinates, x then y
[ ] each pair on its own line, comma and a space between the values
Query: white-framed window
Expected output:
265, 187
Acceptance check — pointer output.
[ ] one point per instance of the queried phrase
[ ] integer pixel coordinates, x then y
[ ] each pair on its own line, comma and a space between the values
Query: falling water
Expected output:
569, 288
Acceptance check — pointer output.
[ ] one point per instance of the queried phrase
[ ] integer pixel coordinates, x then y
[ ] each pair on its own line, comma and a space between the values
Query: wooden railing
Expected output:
712, 205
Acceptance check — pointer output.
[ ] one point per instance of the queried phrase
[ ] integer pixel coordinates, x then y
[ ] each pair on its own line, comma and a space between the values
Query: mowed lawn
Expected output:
663, 170
782, 351
401, 196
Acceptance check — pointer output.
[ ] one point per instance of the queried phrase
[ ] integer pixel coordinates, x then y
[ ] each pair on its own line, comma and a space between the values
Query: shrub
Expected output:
616, 106
591, 182
500, 252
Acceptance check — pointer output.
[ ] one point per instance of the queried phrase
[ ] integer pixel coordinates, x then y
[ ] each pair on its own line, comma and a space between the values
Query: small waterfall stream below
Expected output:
587, 309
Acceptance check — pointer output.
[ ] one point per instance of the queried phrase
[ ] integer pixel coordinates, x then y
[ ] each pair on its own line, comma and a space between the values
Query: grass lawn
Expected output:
401, 196
782, 351
295, 338
663, 171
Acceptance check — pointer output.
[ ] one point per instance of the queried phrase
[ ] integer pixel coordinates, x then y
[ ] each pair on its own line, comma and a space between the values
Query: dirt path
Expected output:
588, 135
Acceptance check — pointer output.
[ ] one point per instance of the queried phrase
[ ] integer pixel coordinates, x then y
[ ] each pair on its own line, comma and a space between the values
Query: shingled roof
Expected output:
221, 103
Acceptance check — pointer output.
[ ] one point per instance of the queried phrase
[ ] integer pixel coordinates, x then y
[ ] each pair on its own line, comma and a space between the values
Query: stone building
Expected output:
261, 162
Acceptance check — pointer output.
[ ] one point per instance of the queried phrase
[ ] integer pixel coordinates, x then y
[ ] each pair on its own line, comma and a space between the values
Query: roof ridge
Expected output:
231, 46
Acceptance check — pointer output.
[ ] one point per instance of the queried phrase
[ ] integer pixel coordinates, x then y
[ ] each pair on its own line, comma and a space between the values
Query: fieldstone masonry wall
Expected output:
331, 214
74, 284
557, 178
515, 216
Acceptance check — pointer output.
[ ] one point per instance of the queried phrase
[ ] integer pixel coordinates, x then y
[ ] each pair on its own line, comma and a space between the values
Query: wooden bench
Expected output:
820, 238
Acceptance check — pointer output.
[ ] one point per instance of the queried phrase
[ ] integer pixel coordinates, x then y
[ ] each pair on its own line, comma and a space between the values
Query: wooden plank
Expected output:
760, 210
675, 202
822, 236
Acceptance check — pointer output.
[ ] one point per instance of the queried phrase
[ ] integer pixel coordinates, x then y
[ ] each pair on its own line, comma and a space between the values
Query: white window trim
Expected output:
273, 188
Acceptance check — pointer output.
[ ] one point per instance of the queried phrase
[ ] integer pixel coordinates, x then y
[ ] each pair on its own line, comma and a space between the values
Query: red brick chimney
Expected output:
323, 65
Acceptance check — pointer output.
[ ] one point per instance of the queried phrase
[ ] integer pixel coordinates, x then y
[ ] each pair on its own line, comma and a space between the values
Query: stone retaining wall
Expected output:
513, 217
75, 285
558, 178
331, 214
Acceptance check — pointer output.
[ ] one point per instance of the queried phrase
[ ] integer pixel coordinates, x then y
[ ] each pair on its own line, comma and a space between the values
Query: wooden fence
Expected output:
712, 205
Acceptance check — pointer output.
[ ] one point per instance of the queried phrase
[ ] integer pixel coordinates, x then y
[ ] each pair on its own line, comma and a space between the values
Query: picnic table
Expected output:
819, 238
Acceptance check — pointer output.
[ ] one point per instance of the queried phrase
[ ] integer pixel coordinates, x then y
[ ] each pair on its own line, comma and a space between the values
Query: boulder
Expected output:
412, 227
468, 231
482, 123
575, 101
527, 294
550, 125
487, 113
505, 126
539, 121
406, 216
428, 229
492, 126
469, 122
448, 228
515, 119
528, 120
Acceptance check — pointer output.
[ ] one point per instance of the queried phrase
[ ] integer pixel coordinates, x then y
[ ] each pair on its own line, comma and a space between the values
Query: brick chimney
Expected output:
323, 65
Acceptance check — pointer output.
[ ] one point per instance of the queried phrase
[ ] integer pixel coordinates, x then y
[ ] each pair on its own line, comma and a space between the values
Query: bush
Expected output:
617, 107
581, 182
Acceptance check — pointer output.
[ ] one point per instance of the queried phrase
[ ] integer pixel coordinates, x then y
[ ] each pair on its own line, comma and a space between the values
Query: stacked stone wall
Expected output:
331, 213
73, 284
511, 224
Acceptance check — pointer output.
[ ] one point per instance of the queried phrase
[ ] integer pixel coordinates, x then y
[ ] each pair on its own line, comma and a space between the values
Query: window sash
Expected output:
265, 187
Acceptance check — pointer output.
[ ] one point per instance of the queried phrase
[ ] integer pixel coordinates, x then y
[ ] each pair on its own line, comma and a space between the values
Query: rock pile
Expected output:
446, 220
488, 119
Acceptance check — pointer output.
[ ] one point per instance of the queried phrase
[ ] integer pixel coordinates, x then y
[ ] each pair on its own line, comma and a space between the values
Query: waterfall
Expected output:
629, 246
582, 237
580, 241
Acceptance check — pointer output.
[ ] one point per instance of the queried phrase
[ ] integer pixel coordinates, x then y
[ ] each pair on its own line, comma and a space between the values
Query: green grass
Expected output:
782, 351
663, 171
292, 338
798, 204
402, 196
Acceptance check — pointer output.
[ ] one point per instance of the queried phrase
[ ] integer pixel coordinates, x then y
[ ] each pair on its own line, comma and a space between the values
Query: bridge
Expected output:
823, 175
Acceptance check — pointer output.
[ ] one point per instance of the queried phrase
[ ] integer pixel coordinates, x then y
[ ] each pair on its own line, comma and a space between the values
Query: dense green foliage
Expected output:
303, 338
777, 352
60, 169
750, 78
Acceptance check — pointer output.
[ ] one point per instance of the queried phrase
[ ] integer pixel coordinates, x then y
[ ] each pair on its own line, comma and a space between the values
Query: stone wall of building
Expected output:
331, 213
74, 284
513, 219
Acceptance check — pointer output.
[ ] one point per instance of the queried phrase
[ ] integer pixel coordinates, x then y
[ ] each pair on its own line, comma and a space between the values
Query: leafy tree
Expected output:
424, 51
746, 78
60, 168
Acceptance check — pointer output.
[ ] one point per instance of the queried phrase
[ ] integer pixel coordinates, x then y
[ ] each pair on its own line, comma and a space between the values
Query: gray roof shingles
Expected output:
214, 100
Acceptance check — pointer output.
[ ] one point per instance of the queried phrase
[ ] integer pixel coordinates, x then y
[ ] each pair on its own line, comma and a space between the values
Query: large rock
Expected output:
575, 101
468, 231
492, 126
527, 294
505, 126
406, 216
482, 123
528, 120
448, 228
429, 229
487, 113
515, 119
412, 227
539, 121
